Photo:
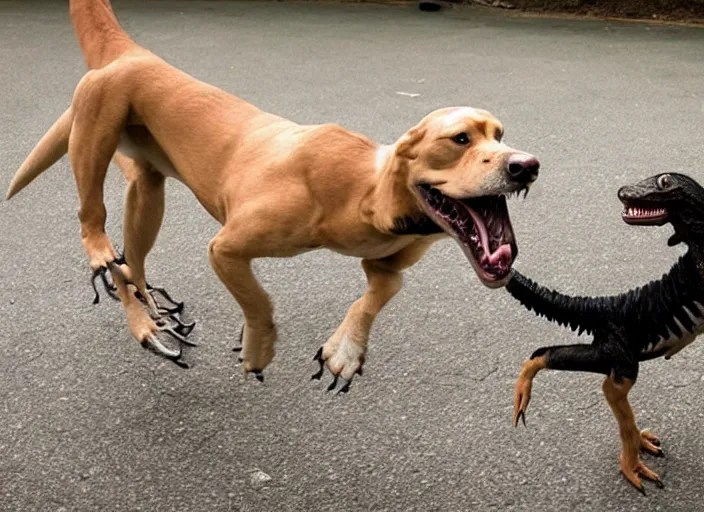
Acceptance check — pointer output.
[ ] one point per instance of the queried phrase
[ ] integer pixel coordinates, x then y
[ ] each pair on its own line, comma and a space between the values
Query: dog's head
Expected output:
461, 173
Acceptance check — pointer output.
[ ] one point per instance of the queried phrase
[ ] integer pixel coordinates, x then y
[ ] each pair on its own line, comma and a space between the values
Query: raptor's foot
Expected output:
650, 443
343, 358
633, 472
521, 398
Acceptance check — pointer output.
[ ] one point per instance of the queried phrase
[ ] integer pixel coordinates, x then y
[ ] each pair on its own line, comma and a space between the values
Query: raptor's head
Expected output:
666, 198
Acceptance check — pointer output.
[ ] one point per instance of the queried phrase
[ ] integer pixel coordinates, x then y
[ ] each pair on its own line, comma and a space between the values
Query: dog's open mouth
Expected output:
482, 227
643, 215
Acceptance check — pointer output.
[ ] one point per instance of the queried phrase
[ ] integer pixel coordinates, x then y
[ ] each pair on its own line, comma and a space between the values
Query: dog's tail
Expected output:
579, 313
48, 150
100, 35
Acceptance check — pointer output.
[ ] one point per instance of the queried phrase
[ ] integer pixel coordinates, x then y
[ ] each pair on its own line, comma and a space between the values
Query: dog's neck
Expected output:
391, 207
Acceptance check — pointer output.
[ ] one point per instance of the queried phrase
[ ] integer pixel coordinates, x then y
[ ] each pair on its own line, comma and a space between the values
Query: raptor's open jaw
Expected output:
643, 215
482, 227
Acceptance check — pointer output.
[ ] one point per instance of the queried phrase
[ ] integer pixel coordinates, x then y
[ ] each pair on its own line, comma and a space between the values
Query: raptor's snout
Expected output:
625, 193
523, 167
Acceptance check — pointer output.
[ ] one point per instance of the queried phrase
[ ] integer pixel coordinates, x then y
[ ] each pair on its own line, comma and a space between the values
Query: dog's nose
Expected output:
523, 168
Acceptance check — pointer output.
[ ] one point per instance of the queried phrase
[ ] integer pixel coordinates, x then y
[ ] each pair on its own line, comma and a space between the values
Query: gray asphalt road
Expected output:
90, 421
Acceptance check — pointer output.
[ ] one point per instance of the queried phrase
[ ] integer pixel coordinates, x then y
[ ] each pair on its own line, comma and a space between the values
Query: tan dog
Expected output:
278, 188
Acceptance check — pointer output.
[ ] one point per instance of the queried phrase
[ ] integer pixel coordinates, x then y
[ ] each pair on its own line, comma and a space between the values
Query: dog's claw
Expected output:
521, 416
318, 357
177, 306
165, 327
182, 328
239, 349
345, 386
152, 343
110, 288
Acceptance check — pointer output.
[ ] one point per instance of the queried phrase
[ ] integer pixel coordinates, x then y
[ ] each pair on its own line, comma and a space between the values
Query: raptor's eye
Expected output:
663, 181
461, 139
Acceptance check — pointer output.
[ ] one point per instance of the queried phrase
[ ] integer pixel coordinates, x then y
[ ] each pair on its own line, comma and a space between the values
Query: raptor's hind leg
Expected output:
616, 392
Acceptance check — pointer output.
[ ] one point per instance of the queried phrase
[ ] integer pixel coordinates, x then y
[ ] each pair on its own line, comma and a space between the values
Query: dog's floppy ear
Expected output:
407, 145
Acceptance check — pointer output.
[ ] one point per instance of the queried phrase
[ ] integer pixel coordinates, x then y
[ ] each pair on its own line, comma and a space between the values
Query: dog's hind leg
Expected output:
99, 118
144, 209
144, 212
345, 351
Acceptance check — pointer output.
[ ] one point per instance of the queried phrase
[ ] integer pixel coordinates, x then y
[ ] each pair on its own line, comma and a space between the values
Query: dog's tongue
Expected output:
500, 257
481, 227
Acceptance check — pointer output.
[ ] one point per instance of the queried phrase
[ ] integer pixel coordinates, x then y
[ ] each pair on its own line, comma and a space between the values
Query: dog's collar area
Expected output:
415, 225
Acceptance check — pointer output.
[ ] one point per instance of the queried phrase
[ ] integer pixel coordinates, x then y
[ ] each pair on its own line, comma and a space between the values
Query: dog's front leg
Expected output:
344, 353
235, 270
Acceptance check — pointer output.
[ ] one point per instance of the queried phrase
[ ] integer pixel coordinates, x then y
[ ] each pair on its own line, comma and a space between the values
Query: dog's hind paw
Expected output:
255, 356
171, 313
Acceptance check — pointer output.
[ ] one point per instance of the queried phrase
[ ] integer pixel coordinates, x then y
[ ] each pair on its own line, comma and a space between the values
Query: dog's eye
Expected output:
663, 181
499, 135
461, 138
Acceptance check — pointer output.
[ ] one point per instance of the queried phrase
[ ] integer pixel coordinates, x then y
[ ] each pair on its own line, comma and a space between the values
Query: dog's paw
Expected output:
256, 350
344, 358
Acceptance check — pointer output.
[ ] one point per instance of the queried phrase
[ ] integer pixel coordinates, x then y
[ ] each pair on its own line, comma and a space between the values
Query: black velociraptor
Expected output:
658, 319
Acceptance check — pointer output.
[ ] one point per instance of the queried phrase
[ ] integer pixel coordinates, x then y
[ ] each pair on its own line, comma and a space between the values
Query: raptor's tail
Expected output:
579, 313
50, 148
100, 36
